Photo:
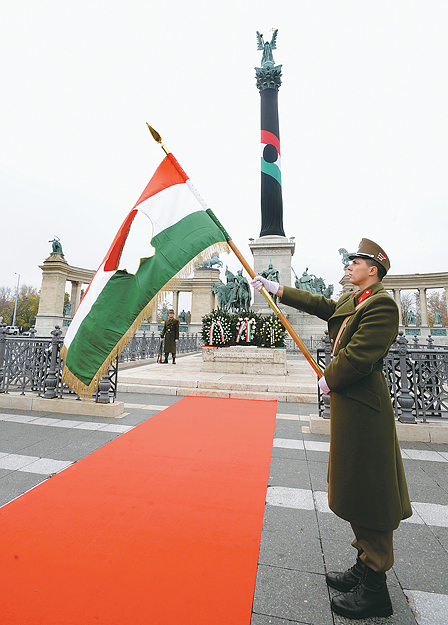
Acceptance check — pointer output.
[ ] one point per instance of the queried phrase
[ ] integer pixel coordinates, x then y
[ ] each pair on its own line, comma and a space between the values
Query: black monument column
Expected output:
268, 83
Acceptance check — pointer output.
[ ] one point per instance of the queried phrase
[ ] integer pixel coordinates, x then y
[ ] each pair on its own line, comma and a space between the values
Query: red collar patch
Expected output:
364, 295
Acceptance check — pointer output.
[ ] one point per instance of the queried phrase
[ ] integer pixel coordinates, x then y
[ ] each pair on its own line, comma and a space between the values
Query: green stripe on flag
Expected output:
126, 295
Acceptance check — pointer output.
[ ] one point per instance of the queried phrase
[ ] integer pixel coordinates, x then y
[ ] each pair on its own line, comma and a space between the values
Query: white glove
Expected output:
259, 281
324, 386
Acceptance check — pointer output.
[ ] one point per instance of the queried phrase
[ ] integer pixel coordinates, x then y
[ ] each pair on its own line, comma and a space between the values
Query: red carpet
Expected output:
160, 526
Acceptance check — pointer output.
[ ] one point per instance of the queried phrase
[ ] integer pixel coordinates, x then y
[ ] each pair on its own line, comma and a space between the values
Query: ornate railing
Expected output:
148, 346
417, 377
312, 344
34, 363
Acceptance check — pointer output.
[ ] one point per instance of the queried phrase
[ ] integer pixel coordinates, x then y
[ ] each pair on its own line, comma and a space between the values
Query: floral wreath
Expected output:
246, 330
272, 332
217, 331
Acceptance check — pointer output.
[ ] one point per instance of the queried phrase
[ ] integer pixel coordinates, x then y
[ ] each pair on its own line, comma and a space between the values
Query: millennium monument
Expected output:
273, 251
272, 248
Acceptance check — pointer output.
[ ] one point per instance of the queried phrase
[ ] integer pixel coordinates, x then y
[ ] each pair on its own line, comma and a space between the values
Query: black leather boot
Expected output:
174, 360
165, 362
369, 598
348, 579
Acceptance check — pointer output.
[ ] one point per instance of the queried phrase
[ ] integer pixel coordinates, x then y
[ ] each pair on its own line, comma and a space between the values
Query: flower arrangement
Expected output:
216, 329
222, 329
246, 329
272, 333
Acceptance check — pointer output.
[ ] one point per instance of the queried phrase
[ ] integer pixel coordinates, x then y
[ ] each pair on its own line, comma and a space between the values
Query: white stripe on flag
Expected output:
169, 206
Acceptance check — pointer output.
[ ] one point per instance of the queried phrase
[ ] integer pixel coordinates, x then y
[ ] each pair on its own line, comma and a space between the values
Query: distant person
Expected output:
366, 480
170, 333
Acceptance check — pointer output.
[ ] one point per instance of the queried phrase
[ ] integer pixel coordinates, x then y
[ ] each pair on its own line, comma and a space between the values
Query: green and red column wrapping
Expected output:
268, 83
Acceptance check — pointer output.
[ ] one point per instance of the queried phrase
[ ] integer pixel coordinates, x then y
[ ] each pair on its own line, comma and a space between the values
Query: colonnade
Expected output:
420, 282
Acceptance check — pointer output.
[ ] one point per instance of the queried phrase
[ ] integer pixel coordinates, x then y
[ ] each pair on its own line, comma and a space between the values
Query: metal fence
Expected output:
148, 346
417, 377
312, 344
34, 364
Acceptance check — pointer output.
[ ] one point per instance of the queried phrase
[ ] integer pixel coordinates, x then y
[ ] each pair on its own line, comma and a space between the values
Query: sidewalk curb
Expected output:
419, 432
63, 406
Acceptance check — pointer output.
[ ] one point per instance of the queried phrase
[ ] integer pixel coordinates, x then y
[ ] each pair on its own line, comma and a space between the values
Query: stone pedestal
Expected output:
51, 301
279, 251
250, 360
306, 325
203, 299
55, 273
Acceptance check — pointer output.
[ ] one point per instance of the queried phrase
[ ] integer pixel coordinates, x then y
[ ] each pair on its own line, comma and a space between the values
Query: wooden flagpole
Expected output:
298, 341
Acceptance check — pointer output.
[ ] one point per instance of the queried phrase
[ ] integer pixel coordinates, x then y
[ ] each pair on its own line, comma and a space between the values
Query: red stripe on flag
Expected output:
269, 137
167, 174
113, 255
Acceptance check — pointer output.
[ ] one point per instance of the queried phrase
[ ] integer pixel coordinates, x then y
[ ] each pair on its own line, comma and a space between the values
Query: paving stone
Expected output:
318, 475
420, 559
286, 453
16, 483
291, 550
424, 481
261, 619
289, 472
288, 429
16, 461
299, 498
339, 555
292, 595
317, 456
331, 526
46, 466
303, 522
441, 534
429, 608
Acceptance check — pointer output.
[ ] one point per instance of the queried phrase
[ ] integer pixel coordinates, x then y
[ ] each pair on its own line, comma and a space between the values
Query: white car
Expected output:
12, 330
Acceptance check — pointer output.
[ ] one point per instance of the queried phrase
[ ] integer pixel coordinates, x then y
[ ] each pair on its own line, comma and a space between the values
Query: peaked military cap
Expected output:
369, 249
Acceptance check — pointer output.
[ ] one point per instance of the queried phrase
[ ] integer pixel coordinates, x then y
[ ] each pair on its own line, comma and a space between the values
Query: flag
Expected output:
185, 234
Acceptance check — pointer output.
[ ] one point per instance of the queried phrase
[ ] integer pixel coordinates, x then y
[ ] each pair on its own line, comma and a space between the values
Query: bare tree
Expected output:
436, 300
407, 304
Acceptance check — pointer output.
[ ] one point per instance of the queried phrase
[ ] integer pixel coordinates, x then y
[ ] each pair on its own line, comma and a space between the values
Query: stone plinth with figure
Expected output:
56, 272
275, 250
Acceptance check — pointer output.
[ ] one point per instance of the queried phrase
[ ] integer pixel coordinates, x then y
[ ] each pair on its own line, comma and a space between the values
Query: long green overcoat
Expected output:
366, 480
171, 333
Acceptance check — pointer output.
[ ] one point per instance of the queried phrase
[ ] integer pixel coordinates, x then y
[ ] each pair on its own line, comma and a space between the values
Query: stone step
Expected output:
290, 394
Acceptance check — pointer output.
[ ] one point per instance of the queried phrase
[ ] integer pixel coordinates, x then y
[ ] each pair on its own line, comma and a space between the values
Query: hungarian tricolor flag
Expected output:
185, 235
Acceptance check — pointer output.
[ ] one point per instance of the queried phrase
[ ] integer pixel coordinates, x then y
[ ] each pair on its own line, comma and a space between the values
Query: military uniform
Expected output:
170, 333
366, 480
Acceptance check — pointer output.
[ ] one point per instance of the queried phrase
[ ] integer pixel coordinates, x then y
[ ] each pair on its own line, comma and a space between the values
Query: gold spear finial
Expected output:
156, 136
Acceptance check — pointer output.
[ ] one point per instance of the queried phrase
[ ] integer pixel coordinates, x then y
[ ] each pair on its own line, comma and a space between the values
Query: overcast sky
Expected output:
363, 123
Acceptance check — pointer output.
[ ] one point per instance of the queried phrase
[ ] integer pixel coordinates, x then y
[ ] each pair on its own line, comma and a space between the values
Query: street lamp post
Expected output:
17, 297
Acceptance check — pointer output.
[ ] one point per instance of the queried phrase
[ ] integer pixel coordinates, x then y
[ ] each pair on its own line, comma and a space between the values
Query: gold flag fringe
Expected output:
86, 391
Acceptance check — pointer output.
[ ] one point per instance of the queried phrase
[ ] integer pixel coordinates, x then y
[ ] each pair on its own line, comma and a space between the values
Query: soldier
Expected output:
366, 481
171, 334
